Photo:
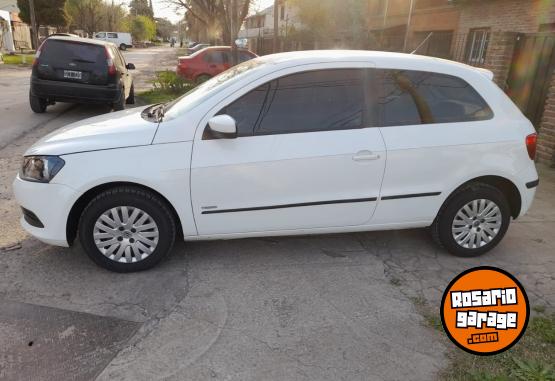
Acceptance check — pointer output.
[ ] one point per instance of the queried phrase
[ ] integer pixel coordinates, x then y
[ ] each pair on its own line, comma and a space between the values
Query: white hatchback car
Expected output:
292, 143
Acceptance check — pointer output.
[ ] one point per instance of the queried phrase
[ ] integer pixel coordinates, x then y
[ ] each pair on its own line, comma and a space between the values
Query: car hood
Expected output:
113, 130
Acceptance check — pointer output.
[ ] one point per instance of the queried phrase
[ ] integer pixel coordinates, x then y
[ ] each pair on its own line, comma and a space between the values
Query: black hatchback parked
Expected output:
80, 70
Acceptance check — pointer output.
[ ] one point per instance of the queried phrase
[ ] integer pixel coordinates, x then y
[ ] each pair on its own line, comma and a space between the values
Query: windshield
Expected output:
192, 98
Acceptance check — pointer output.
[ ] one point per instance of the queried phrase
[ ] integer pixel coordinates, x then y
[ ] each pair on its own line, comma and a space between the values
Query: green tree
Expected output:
47, 12
164, 28
93, 15
142, 28
140, 8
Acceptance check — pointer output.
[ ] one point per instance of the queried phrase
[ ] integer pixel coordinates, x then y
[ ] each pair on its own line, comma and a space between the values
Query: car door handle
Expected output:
365, 155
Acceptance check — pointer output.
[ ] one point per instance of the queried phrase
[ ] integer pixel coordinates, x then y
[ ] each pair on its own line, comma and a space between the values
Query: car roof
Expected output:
380, 58
80, 40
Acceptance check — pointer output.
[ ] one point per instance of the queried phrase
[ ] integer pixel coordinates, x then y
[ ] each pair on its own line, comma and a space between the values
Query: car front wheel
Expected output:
473, 221
127, 229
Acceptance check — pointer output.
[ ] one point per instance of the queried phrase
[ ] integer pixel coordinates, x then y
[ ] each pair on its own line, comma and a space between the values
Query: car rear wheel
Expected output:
123, 47
120, 103
131, 98
473, 221
38, 105
127, 229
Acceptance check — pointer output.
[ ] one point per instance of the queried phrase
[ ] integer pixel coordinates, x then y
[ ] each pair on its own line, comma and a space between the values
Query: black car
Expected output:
80, 70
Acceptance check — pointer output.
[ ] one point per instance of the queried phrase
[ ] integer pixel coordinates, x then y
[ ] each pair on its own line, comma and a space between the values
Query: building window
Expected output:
282, 12
477, 46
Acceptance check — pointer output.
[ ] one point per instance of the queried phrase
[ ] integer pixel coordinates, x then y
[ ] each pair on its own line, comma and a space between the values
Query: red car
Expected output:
208, 62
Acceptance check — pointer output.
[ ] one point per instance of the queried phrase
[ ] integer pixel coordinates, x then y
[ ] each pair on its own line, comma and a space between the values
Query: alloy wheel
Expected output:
476, 224
126, 234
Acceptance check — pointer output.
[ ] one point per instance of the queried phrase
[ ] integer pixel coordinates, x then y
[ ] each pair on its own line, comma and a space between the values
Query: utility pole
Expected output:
234, 33
276, 25
408, 26
35, 35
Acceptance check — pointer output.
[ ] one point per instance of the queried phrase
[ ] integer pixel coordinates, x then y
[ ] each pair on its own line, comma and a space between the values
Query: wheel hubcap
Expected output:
476, 224
126, 234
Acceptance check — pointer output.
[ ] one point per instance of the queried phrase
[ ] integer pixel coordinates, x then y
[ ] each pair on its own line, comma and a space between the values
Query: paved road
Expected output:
293, 308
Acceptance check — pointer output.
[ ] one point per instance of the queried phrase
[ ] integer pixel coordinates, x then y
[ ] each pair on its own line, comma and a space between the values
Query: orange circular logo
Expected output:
485, 310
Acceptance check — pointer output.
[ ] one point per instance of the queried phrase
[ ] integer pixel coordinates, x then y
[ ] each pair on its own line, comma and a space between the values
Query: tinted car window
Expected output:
318, 100
246, 110
418, 97
63, 51
112, 35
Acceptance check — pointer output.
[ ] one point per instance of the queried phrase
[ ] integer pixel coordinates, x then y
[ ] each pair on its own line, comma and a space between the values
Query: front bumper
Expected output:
74, 92
51, 203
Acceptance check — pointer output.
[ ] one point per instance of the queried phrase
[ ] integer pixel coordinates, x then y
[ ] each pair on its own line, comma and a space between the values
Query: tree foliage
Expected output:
213, 16
164, 28
93, 15
142, 28
47, 12
140, 8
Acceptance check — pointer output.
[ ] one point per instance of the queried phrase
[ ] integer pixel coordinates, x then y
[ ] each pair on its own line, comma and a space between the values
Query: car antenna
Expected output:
422, 43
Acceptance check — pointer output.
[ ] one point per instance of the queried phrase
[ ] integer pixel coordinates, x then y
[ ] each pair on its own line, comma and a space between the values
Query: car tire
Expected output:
202, 78
103, 226
120, 103
122, 47
38, 105
131, 98
466, 226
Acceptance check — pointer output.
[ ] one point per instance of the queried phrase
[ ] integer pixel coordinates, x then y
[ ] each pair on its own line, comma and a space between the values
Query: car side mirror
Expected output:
223, 127
130, 66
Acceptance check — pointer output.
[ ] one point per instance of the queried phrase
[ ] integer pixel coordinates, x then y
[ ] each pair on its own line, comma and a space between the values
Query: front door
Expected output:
306, 157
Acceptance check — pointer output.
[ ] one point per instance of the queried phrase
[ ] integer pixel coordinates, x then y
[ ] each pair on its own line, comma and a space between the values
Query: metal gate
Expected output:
530, 73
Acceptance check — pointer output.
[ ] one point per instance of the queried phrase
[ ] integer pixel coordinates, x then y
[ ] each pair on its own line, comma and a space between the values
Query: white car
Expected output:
121, 39
292, 143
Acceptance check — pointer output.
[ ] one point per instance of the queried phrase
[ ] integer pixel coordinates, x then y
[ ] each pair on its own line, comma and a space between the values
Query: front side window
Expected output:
319, 100
101, 35
246, 110
418, 97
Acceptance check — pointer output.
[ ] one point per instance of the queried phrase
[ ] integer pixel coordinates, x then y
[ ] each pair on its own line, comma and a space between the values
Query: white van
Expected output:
120, 39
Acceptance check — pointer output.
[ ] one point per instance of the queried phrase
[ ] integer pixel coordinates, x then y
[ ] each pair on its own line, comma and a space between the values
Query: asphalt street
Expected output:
331, 307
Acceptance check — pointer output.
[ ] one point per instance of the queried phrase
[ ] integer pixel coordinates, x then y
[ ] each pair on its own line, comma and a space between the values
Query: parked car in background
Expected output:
121, 39
80, 70
292, 143
208, 62
196, 47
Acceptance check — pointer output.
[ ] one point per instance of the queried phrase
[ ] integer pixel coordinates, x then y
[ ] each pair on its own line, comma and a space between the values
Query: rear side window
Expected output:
215, 57
416, 97
64, 51
320, 100
112, 35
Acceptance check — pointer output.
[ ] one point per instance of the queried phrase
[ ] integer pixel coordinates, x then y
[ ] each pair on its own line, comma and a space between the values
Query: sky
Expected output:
162, 9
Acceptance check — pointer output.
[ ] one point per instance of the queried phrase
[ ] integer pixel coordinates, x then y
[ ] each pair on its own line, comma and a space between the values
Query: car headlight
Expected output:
40, 168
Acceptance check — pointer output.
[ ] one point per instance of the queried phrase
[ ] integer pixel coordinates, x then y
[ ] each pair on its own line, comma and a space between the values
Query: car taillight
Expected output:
531, 144
37, 54
110, 62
